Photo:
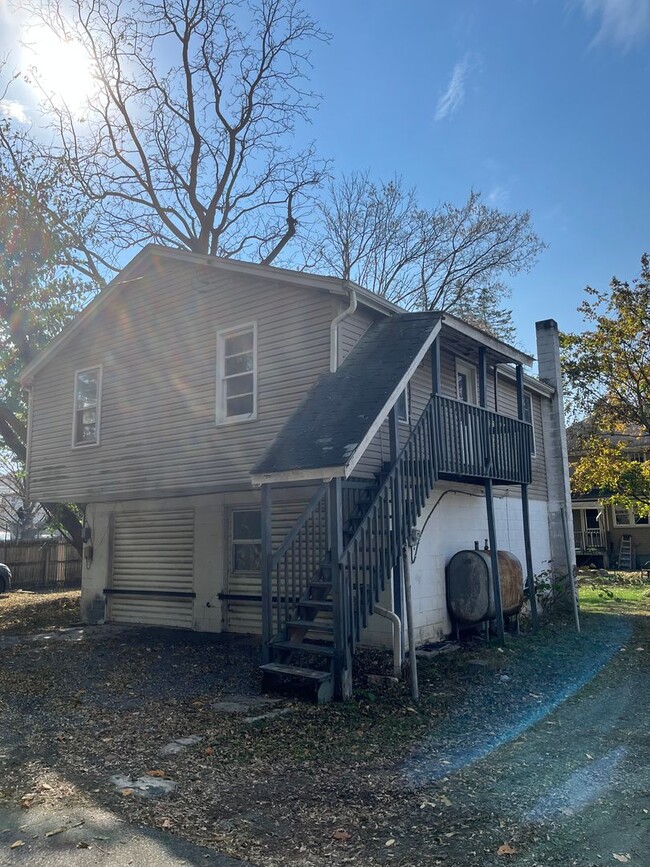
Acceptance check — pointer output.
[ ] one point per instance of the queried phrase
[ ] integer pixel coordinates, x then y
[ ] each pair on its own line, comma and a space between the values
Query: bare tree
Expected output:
188, 139
445, 258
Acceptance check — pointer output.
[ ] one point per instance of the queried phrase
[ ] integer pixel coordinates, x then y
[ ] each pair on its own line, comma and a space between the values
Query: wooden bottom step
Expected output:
316, 625
321, 682
295, 671
305, 647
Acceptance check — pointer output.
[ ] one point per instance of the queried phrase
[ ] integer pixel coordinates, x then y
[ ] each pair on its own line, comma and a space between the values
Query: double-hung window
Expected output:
237, 374
246, 540
87, 404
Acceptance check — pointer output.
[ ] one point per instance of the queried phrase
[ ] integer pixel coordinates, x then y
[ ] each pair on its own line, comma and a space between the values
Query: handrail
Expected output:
311, 506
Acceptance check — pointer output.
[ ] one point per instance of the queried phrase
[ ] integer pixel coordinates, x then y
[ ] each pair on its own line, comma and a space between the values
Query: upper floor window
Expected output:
402, 405
237, 374
628, 517
466, 382
529, 416
87, 393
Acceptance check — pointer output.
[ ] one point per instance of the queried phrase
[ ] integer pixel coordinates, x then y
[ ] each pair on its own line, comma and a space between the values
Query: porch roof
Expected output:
330, 430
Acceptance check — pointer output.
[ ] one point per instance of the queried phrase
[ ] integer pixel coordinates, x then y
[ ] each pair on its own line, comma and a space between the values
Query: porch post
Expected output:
482, 377
267, 553
393, 428
494, 559
435, 365
530, 578
342, 656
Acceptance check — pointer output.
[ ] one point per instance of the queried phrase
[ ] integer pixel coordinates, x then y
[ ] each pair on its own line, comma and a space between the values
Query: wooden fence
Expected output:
42, 563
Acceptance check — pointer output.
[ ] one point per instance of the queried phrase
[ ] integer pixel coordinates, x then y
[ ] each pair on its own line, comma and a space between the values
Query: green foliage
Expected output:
607, 370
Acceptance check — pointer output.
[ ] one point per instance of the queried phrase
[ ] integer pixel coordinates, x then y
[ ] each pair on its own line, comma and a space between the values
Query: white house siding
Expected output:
156, 342
209, 570
458, 521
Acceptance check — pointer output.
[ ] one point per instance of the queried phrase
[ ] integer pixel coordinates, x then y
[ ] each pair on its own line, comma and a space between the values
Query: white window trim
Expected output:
471, 372
407, 403
100, 376
221, 418
529, 396
630, 517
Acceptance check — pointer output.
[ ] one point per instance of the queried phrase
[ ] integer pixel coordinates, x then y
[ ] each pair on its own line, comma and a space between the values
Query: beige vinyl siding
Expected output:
156, 340
352, 329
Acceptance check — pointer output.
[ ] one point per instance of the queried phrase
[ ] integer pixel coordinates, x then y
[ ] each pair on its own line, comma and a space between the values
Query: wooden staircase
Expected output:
320, 587
308, 637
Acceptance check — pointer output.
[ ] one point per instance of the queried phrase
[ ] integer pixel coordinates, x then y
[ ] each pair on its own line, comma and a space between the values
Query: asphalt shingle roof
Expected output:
338, 412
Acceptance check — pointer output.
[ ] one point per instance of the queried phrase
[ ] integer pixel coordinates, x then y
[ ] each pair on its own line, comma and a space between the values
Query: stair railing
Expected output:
297, 560
374, 549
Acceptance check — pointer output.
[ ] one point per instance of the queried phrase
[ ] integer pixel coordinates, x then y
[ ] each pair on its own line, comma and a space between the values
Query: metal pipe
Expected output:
334, 333
415, 692
570, 569
397, 638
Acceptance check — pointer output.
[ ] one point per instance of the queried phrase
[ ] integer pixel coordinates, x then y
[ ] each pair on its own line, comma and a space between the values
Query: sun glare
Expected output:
60, 68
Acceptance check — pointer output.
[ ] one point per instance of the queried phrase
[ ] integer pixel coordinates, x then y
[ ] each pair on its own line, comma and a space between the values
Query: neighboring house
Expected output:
606, 535
255, 446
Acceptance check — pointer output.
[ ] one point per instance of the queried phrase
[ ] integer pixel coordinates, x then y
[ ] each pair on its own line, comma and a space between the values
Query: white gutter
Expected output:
334, 330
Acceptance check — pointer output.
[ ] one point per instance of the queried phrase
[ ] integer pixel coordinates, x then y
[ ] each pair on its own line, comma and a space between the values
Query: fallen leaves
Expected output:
27, 800
155, 773
17, 844
506, 849
341, 835
624, 859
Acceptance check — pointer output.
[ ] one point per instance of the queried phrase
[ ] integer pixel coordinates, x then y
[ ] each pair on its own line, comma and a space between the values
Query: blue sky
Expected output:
541, 106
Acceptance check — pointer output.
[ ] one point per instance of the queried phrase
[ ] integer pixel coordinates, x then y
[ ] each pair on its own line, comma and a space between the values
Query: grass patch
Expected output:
22, 612
614, 598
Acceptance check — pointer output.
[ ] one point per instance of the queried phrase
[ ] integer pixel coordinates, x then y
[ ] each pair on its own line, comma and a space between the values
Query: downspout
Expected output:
334, 332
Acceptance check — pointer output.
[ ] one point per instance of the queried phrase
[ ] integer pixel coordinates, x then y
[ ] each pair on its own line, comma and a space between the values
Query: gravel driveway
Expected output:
532, 755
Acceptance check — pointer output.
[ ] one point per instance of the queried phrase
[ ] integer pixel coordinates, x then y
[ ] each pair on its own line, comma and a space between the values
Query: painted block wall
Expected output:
459, 520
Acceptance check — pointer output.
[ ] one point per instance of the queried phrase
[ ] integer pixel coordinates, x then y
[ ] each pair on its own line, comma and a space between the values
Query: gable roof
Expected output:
132, 272
333, 425
332, 285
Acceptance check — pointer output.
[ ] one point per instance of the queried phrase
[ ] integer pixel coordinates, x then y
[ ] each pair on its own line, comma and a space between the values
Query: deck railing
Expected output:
592, 539
478, 443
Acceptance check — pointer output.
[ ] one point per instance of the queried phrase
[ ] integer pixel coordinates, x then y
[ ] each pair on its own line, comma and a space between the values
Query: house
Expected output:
608, 535
255, 447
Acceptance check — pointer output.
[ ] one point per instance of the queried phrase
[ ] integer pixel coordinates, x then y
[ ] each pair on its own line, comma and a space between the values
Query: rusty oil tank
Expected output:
470, 590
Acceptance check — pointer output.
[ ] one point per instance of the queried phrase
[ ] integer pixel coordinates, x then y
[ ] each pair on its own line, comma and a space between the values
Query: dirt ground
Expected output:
536, 754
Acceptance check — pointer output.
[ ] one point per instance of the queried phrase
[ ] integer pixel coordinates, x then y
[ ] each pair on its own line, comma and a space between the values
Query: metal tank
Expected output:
470, 589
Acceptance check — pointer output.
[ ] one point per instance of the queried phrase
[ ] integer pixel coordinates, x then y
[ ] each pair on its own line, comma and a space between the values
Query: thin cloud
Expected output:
12, 109
498, 196
625, 23
453, 97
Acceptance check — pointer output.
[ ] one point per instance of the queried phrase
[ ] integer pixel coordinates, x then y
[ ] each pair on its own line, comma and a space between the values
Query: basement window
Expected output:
237, 374
246, 540
87, 392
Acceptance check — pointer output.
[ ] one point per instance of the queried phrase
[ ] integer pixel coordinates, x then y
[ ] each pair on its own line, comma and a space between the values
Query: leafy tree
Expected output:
188, 139
607, 369
38, 295
448, 258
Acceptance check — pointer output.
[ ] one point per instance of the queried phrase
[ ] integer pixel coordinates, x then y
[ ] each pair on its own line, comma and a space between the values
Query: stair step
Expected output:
318, 604
317, 625
304, 647
295, 671
319, 585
